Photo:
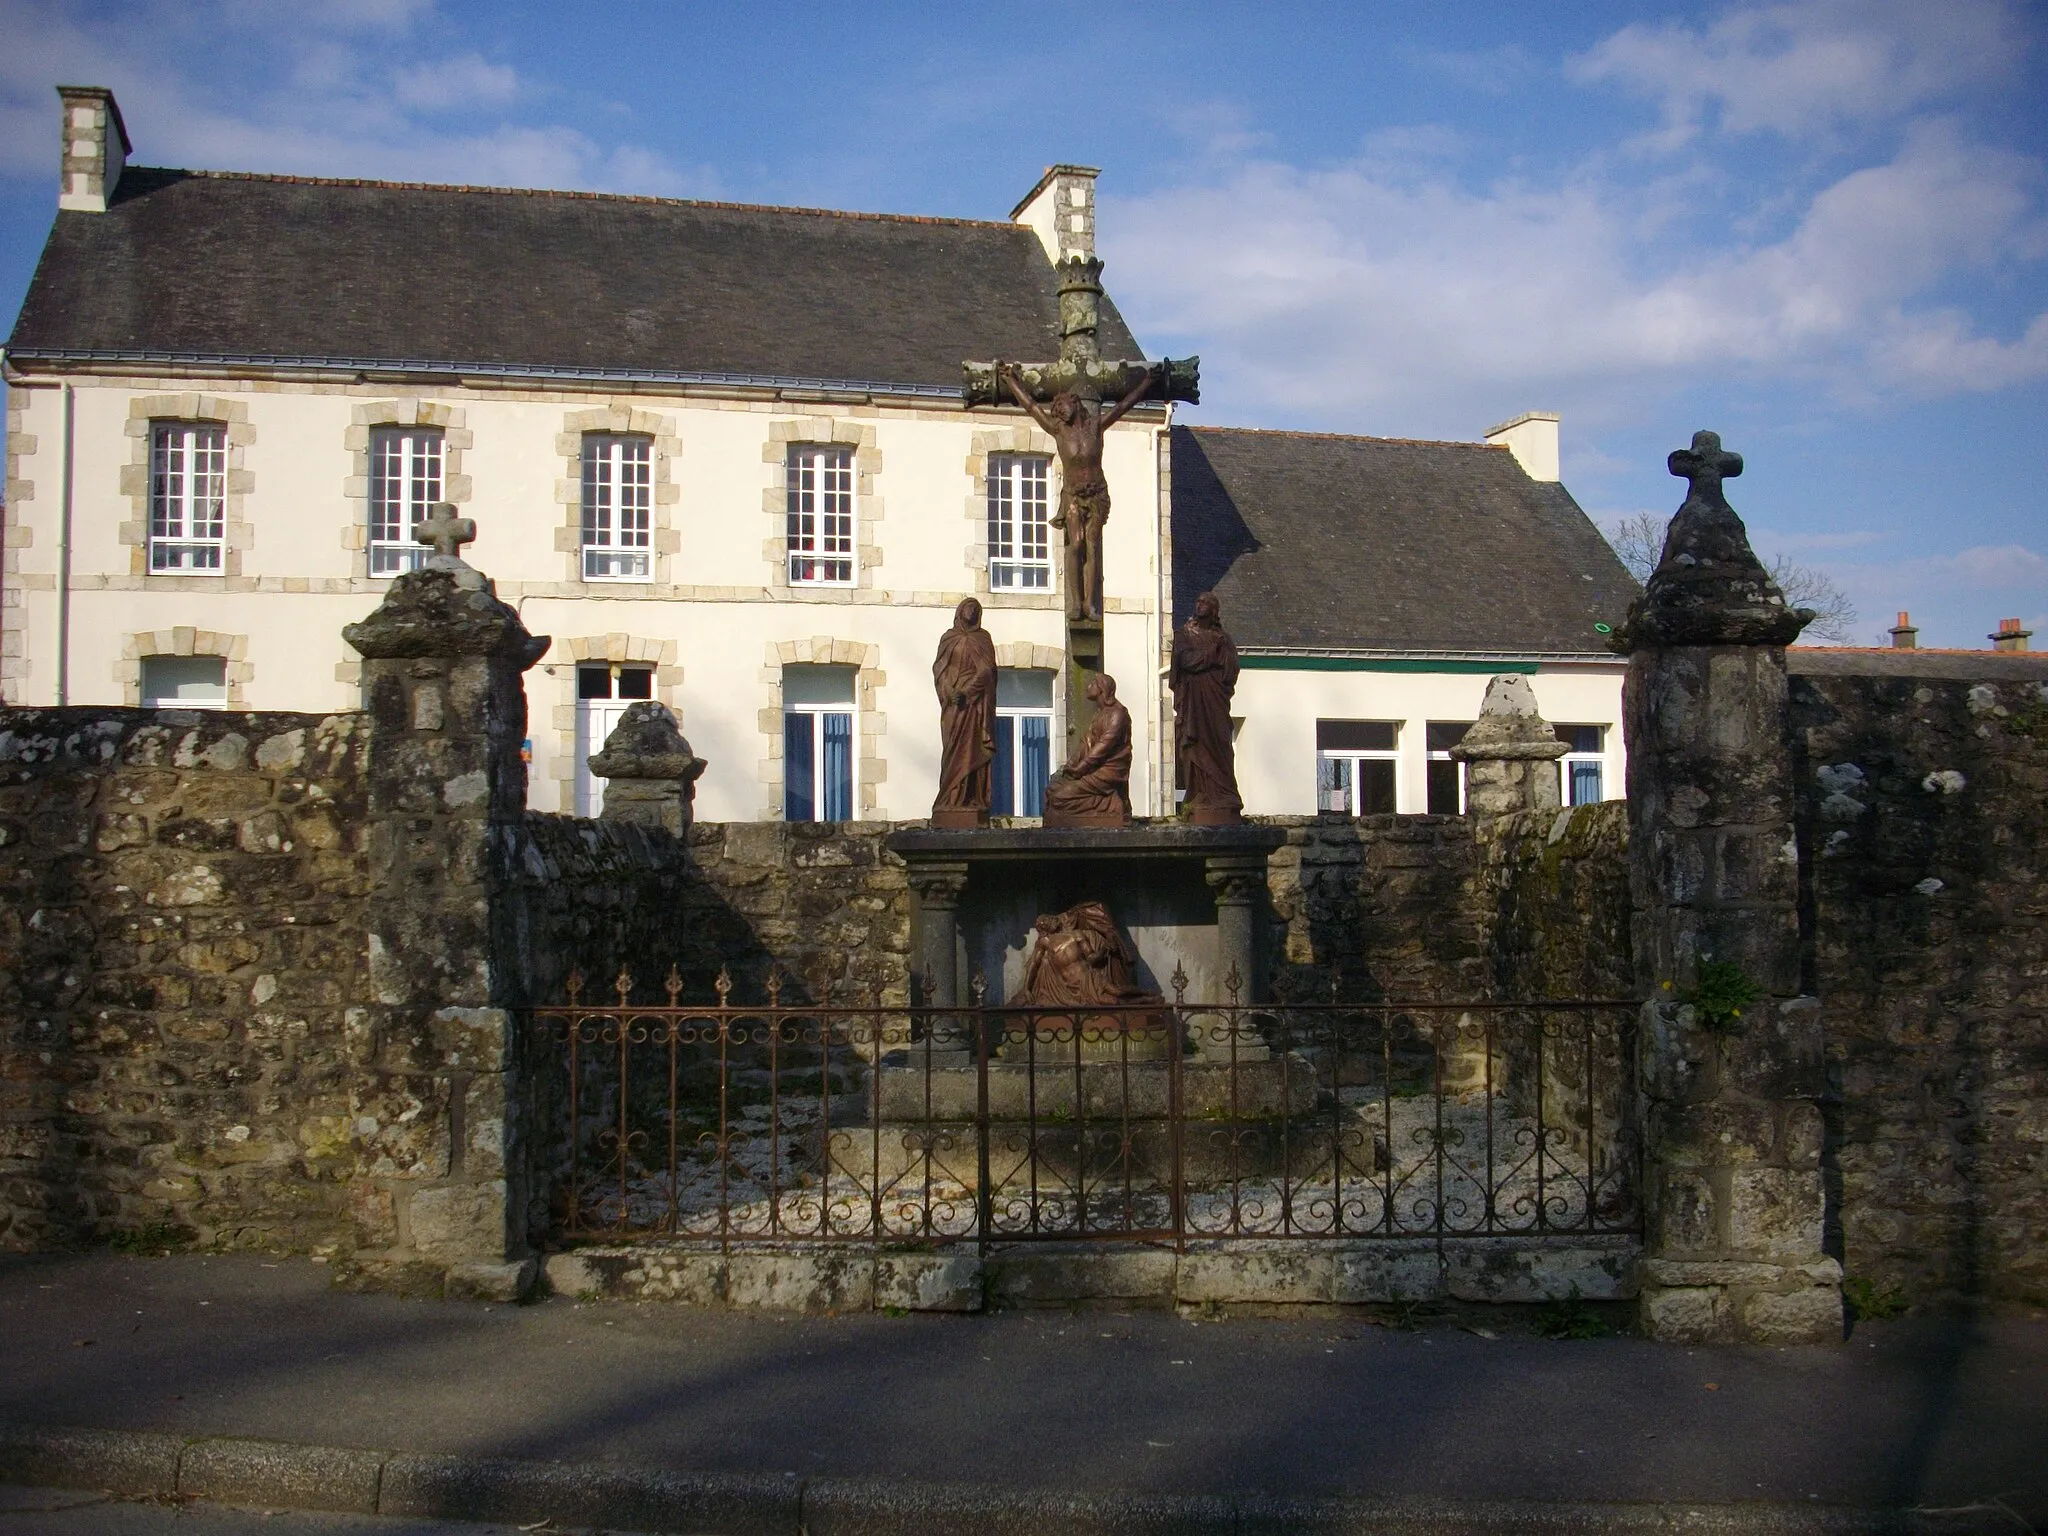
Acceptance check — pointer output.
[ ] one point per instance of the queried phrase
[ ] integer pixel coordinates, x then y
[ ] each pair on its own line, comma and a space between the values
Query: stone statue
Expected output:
1203, 679
1080, 962
964, 675
650, 773
1076, 426
1093, 789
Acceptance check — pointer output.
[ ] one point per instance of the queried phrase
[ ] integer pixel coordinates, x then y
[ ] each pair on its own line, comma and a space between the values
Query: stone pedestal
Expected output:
650, 773
1731, 1067
438, 1181
1510, 753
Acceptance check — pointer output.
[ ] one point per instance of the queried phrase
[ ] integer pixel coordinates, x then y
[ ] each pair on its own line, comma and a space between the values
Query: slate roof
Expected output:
1318, 542
226, 265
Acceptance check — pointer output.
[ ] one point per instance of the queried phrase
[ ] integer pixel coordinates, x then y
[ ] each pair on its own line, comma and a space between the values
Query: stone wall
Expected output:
181, 943
1552, 902
1926, 913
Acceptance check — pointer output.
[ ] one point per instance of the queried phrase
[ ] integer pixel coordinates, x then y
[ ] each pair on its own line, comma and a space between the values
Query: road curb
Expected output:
279, 1474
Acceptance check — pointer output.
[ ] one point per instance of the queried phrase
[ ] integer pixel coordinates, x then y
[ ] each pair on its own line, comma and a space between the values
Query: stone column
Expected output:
1731, 1068
1510, 754
650, 773
938, 886
438, 1189
1239, 881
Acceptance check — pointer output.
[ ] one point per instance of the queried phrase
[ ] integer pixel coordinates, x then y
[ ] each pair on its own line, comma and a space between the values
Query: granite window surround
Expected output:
15, 536
871, 770
570, 652
145, 414
824, 431
364, 418
184, 640
666, 540
1023, 439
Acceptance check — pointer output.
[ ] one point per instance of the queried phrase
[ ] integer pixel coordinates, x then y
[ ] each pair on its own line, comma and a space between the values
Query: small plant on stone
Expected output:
1721, 993
1870, 1301
155, 1238
1567, 1317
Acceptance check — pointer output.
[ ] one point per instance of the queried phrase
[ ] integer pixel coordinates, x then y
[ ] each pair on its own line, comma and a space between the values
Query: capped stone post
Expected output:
436, 1114
1731, 1066
1510, 753
650, 773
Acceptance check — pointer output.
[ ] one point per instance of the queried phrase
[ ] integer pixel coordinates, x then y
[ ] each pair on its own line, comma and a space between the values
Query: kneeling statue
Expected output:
1094, 788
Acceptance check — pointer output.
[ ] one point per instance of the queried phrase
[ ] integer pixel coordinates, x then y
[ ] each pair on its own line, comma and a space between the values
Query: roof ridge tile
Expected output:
1344, 437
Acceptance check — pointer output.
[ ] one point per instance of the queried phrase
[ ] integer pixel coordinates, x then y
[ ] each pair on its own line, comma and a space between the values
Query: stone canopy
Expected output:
647, 744
433, 612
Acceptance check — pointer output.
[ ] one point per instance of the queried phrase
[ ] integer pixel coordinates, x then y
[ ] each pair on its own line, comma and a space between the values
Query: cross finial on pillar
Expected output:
1705, 466
446, 532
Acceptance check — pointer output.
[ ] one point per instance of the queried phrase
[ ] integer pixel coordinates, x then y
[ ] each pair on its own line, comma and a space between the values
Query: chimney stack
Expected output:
1061, 212
94, 151
2010, 636
1904, 636
1532, 438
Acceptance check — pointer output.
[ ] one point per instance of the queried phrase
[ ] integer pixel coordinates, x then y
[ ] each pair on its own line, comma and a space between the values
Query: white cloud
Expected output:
1808, 66
466, 81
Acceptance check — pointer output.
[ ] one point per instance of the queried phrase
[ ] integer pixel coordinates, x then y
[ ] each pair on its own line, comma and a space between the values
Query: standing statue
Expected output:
964, 675
1093, 789
1076, 427
1203, 678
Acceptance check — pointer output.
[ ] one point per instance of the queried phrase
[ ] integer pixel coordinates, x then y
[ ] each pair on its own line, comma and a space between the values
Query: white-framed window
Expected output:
1358, 766
818, 746
820, 480
603, 691
1446, 784
405, 483
184, 682
1023, 742
1584, 763
618, 507
1019, 546
188, 497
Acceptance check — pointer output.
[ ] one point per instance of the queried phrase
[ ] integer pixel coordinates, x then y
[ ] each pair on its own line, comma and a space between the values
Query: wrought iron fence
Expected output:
777, 1122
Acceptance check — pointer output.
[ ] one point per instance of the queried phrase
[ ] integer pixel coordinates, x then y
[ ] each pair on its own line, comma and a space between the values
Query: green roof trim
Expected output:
1380, 664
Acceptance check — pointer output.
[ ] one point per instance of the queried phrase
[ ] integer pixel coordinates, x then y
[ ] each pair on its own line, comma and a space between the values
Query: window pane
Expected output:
1443, 786
618, 485
1585, 784
1037, 764
820, 517
593, 682
1446, 734
1355, 735
1581, 738
1023, 688
836, 768
1003, 789
1018, 544
187, 496
1333, 785
184, 681
405, 483
1375, 787
799, 800
817, 685
636, 683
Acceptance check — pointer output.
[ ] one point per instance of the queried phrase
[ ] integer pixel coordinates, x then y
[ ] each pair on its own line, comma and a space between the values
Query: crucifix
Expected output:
1076, 400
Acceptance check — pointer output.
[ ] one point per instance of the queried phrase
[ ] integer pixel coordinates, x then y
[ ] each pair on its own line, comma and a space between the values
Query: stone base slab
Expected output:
829, 1278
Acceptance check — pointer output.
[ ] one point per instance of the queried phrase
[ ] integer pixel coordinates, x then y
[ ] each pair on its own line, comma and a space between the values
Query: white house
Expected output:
719, 453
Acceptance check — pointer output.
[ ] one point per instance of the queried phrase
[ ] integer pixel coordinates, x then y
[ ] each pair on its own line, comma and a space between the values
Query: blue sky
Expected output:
1819, 227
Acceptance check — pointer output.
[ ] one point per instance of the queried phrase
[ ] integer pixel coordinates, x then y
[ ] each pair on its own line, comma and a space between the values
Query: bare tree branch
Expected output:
1638, 540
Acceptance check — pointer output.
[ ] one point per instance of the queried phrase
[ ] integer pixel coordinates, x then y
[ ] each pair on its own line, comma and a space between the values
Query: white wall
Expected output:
1276, 747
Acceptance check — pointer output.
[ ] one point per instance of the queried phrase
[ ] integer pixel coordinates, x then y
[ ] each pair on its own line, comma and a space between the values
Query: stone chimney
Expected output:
1532, 438
1904, 636
1061, 211
95, 149
2010, 636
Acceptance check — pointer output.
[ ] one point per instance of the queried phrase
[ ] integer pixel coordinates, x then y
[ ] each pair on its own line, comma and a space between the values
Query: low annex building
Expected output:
1375, 585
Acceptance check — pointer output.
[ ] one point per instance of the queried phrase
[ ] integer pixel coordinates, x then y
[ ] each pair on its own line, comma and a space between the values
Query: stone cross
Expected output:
446, 532
1705, 466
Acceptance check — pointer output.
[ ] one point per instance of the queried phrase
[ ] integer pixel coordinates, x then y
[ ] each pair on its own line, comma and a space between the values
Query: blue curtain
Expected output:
1002, 799
799, 795
837, 790
1037, 762
1585, 783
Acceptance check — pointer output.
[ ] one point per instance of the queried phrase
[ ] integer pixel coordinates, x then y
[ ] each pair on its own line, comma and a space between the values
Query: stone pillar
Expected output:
1510, 754
438, 1189
1239, 881
938, 887
1731, 1067
650, 773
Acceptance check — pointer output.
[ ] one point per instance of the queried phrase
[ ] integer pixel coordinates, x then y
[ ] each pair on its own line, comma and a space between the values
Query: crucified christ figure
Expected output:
1077, 426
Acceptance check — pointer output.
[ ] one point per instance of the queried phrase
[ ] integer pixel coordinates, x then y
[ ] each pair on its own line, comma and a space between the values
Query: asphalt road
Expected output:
1914, 1413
